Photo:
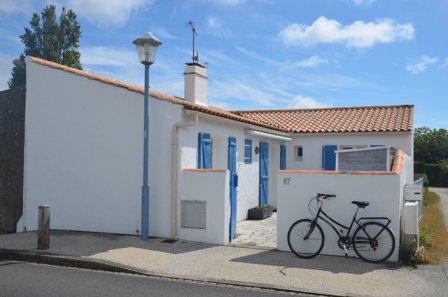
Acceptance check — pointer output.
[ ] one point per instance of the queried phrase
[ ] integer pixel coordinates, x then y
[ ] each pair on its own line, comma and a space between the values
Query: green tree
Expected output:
49, 39
430, 146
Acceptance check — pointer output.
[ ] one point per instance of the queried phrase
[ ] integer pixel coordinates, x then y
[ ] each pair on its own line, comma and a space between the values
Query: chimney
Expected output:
195, 77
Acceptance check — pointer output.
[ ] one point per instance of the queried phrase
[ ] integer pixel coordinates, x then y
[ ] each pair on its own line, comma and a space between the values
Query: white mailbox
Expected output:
413, 193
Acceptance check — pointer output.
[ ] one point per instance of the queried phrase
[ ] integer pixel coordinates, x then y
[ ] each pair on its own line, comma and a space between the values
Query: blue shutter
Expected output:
376, 145
204, 144
329, 157
264, 173
282, 157
247, 151
233, 185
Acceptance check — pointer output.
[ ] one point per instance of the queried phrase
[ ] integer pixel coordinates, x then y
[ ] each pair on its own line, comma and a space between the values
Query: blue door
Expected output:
329, 157
264, 173
233, 185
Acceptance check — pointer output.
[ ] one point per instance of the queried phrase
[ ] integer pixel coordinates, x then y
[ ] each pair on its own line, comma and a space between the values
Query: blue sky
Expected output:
266, 54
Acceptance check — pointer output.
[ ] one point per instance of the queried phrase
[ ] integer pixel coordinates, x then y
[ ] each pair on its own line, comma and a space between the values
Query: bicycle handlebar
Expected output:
325, 196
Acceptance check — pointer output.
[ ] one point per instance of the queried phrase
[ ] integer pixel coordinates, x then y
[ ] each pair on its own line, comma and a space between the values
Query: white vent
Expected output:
193, 214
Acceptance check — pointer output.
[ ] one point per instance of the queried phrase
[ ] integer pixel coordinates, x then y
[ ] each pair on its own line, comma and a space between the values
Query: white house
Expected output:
83, 153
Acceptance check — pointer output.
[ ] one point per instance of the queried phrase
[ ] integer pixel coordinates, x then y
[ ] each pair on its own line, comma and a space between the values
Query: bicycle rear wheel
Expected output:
306, 238
374, 243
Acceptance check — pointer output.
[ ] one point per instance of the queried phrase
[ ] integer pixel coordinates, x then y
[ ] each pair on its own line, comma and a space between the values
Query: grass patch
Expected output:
433, 234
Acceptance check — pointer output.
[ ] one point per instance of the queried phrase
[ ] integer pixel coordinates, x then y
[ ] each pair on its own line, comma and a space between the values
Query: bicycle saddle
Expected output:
361, 204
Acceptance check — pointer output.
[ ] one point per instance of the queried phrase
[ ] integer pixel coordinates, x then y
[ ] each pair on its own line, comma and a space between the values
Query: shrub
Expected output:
412, 257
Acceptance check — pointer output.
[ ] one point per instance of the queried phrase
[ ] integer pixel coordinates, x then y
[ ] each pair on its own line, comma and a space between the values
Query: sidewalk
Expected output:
333, 276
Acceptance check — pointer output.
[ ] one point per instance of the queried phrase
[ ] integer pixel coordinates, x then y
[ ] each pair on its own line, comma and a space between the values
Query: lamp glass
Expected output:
147, 47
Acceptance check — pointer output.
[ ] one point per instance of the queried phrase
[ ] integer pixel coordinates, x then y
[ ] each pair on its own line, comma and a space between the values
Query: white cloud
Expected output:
6, 68
358, 34
240, 91
364, 3
444, 64
215, 27
224, 2
162, 33
16, 6
255, 55
307, 102
108, 13
421, 65
310, 62
107, 56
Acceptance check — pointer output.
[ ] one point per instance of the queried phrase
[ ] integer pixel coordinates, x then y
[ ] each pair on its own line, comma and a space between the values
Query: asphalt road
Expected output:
26, 279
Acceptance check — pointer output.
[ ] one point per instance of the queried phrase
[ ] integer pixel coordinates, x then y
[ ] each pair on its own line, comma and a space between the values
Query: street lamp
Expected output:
147, 47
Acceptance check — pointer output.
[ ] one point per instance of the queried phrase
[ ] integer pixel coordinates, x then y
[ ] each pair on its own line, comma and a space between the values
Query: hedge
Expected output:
436, 176
419, 167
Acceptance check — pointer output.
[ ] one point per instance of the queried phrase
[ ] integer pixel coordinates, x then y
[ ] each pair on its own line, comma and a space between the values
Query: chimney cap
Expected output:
196, 64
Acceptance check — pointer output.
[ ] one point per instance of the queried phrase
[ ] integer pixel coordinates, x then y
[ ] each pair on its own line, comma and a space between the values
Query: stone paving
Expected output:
257, 233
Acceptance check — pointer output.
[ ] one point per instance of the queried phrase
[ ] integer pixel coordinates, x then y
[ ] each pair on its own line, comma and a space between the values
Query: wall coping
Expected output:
397, 169
203, 170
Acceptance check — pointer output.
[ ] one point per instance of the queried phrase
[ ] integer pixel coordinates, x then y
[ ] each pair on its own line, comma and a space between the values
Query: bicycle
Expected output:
372, 241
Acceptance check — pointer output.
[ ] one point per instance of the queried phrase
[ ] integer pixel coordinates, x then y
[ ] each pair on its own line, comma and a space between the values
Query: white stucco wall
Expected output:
215, 192
248, 183
312, 145
84, 153
384, 193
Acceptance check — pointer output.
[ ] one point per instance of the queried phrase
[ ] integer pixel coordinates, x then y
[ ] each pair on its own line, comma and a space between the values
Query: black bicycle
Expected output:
372, 241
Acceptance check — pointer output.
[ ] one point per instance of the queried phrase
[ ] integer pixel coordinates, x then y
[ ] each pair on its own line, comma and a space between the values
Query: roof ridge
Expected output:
322, 108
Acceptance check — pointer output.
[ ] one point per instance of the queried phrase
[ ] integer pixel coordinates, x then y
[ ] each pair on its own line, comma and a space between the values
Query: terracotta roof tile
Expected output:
350, 119
343, 119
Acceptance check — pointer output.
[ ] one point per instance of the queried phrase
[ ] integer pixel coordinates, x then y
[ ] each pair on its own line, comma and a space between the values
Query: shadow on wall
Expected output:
12, 138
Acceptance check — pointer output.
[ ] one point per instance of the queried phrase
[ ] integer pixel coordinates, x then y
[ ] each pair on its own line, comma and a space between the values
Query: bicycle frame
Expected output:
321, 214
327, 219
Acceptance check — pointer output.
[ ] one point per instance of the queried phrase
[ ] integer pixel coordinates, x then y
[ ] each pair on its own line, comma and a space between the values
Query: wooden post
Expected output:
43, 233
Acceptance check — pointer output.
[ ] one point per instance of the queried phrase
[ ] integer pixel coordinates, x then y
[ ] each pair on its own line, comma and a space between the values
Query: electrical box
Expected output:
411, 218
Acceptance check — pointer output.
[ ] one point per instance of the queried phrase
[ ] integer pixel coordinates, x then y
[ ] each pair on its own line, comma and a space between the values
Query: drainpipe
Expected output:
174, 171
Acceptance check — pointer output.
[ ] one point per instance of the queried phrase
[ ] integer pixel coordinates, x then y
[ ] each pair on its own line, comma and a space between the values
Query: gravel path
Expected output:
443, 193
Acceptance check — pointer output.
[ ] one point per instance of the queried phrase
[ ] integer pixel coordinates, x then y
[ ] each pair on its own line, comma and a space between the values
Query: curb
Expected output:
66, 261
98, 265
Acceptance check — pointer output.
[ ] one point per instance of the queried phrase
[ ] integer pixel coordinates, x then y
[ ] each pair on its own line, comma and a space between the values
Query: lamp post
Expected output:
147, 47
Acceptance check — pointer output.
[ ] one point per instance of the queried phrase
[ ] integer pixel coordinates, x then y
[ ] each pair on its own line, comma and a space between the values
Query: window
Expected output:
247, 151
204, 151
298, 153
351, 147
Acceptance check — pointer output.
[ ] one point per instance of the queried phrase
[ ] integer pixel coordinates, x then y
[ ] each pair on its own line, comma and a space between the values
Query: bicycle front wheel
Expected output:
374, 243
306, 238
